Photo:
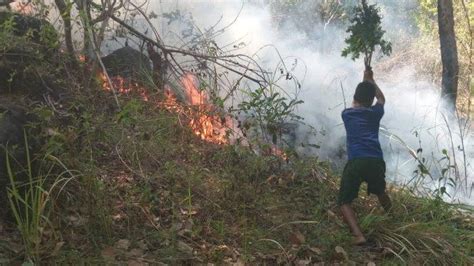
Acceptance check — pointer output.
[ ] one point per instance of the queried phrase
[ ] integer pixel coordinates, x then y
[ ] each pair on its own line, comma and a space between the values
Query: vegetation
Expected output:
426, 20
109, 183
148, 190
308, 16
365, 34
29, 201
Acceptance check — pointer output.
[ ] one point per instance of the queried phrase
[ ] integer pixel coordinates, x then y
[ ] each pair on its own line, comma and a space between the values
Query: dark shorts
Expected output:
356, 171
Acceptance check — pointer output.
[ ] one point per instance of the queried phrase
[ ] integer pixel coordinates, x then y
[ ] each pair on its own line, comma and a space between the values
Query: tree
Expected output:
313, 18
449, 54
64, 8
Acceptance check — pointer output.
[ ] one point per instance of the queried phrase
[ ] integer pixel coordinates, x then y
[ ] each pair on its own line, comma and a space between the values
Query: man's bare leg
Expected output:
351, 220
385, 201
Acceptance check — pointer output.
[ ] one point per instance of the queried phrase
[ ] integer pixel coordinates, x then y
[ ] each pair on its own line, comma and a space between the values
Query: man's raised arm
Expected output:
369, 76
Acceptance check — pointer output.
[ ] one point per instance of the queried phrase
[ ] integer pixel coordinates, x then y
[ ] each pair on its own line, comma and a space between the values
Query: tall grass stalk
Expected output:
29, 200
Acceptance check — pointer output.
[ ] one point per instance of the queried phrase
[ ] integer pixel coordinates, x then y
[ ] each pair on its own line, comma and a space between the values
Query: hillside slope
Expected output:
145, 189
136, 186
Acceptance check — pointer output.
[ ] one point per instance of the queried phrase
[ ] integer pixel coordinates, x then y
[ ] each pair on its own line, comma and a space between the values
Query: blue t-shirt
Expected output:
362, 129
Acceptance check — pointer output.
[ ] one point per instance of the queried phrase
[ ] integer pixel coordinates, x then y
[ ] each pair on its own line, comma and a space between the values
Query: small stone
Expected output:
135, 252
123, 244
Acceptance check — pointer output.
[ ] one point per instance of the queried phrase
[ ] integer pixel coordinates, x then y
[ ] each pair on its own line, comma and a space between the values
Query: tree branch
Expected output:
168, 51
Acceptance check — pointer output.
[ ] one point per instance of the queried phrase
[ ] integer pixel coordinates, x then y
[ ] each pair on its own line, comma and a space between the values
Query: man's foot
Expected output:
351, 220
359, 240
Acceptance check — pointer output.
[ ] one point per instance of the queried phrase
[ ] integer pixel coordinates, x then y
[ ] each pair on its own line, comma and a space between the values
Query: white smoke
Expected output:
413, 110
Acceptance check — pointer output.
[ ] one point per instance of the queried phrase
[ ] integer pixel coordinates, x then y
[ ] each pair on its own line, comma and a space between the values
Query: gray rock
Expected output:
23, 59
12, 122
40, 30
128, 63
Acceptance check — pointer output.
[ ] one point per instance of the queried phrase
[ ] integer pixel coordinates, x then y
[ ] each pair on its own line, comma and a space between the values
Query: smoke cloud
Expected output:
413, 111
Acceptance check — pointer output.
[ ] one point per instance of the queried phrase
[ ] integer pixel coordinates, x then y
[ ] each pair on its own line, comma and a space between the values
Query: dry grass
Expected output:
151, 192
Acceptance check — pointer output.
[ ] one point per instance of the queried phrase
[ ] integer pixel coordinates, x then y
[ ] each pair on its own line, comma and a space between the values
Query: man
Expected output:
365, 157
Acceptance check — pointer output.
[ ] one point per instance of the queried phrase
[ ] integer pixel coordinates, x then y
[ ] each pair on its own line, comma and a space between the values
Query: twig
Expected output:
410, 150
343, 95
295, 222
461, 135
456, 170
125, 164
96, 51
169, 51
278, 244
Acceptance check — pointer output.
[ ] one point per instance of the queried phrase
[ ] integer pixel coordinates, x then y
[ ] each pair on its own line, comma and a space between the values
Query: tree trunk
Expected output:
65, 12
449, 54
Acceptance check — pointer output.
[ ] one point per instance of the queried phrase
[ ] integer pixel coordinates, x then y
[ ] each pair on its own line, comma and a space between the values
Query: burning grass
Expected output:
154, 189
201, 114
158, 182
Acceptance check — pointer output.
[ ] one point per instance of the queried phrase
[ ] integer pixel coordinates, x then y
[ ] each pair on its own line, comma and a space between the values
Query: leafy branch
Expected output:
365, 34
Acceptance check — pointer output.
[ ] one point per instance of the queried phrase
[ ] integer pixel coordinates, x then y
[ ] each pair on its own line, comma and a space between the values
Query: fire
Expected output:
210, 128
200, 113
122, 86
202, 120
195, 96
279, 153
171, 102
204, 123
201, 116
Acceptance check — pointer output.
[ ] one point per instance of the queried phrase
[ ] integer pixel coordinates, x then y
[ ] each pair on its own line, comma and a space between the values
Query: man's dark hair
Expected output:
365, 93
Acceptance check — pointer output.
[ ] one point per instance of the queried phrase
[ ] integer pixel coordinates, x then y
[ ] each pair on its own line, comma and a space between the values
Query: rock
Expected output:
123, 244
40, 30
12, 122
109, 254
128, 63
135, 253
297, 238
136, 263
5, 2
27, 58
342, 254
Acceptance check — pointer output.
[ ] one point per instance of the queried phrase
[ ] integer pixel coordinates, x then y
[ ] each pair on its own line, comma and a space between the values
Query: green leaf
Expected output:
365, 33
443, 172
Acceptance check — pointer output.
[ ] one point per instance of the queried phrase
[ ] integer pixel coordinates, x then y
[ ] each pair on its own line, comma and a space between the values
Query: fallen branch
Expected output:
170, 51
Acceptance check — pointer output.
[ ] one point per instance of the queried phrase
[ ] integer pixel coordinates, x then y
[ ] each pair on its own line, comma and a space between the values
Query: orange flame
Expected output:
207, 126
204, 124
171, 102
195, 96
202, 121
279, 153
122, 86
